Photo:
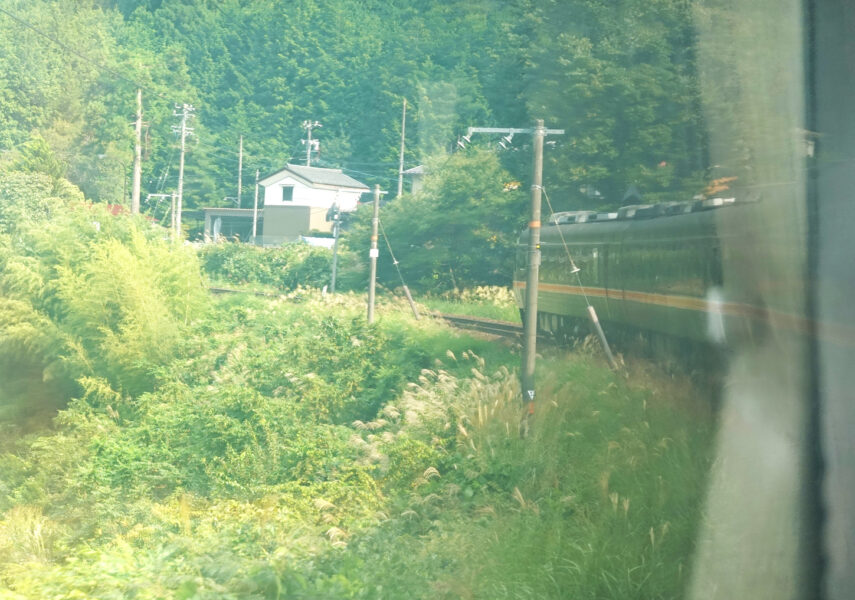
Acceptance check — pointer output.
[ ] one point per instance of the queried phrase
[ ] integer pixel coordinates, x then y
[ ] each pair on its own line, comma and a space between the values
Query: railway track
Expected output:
504, 329
220, 291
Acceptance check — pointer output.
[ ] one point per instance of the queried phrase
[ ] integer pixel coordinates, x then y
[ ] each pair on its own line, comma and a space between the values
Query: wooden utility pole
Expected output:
135, 190
255, 210
240, 169
373, 254
401, 162
186, 111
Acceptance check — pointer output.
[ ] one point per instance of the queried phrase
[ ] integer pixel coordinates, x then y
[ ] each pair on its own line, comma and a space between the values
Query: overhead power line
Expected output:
76, 53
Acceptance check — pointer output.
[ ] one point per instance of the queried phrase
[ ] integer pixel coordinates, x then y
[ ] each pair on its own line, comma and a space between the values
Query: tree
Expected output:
621, 79
459, 230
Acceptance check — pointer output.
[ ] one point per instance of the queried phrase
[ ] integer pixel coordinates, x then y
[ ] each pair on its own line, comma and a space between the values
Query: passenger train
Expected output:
659, 268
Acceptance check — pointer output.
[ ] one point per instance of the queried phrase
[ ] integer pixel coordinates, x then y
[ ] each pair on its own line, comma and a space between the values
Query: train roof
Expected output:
665, 220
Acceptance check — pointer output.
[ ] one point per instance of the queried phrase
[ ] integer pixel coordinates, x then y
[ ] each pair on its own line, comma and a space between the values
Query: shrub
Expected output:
85, 293
284, 268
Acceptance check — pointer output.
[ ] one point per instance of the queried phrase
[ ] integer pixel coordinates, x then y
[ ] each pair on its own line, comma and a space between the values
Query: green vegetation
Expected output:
487, 302
281, 268
84, 295
156, 441
460, 230
246, 447
620, 79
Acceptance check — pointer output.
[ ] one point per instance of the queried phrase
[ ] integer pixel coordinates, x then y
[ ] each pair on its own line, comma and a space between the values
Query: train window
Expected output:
714, 277
595, 266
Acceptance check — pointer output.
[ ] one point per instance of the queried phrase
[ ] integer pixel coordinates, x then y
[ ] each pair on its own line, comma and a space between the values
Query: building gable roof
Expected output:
318, 176
417, 170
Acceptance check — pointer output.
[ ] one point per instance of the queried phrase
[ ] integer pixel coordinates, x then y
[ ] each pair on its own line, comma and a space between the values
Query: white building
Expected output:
297, 199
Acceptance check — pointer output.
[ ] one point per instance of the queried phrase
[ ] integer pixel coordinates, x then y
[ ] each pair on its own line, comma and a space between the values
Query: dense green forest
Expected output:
619, 77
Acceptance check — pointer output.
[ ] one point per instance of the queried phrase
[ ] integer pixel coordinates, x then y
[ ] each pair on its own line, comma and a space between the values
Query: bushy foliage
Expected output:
285, 448
25, 197
227, 482
283, 268
224, 441
84, 293
458, 231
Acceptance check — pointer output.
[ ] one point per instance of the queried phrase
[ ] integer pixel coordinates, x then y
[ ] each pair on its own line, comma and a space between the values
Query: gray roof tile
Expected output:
323, 176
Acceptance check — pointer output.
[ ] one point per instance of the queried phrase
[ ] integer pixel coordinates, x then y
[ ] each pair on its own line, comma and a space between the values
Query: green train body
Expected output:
658, 268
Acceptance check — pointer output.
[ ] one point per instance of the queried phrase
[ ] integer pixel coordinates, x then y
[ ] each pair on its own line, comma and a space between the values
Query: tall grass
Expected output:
604, 496
601, 501
292, 450
490, 302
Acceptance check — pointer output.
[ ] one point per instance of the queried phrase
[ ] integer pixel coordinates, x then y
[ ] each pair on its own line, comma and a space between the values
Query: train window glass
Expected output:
714, 277
595, 266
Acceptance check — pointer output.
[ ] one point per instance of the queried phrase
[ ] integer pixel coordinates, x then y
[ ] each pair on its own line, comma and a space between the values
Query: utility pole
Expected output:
135, 190
401, 162
530, 324
310, 143
255, 210
174, 214
240, 169
373, 254
336, 220
186, 112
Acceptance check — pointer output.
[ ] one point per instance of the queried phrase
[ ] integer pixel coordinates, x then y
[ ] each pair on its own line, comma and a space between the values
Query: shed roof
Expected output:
417, 170
320, 176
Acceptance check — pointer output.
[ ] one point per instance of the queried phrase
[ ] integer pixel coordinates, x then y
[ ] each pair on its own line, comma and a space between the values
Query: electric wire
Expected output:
576, 269
389, 246
374, 175
165, 174
71, 50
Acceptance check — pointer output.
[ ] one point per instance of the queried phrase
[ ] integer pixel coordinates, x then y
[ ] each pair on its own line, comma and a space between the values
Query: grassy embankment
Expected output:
247, 447
374, 479
487, 302
276, 270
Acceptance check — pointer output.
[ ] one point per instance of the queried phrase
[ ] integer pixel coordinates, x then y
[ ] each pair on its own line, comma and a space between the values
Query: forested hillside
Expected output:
619, 77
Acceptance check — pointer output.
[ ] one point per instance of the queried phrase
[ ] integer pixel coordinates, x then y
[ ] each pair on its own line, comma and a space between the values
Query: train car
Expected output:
656, 268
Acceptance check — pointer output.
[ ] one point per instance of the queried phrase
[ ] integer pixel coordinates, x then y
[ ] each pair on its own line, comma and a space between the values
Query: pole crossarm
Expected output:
509, 130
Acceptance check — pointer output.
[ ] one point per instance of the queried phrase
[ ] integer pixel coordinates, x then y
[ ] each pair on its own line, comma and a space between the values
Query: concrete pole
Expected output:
240, 170
135, 190
401, 162
309, 145
336, 220
373, 254
530, 325
255, 211
181, 174
174, 222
